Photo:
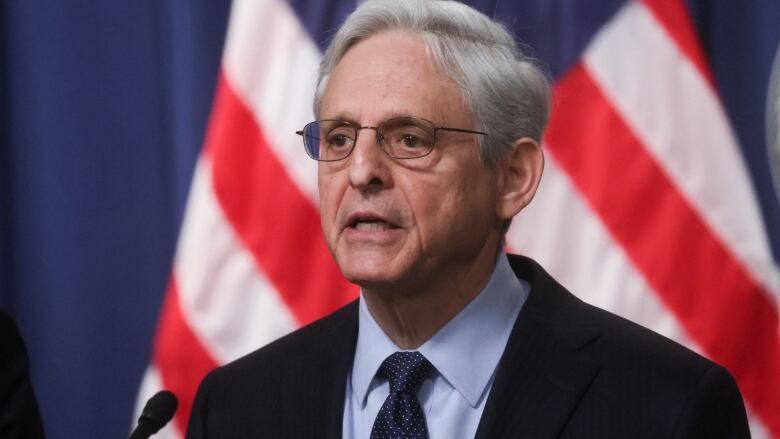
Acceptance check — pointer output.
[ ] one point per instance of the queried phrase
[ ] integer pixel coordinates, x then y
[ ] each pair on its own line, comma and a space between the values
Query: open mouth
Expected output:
371, 226
370, 223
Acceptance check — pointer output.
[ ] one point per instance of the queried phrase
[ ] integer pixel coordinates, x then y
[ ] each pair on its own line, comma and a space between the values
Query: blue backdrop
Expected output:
103, 107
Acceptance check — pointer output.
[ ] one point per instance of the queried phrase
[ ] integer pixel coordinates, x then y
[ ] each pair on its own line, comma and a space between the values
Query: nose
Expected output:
368, 165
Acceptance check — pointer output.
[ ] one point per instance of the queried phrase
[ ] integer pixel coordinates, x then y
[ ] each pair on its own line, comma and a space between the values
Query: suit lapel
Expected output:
325, 383
541, 376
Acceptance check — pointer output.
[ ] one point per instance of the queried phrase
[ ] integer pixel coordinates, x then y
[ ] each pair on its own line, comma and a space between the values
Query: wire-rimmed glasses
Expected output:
400, 137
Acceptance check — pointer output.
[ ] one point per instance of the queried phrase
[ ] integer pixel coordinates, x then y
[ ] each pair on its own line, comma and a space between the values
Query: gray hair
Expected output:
507, 94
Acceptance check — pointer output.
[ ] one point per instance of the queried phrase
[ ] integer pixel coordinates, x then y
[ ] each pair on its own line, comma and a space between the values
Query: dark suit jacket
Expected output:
569, 370
19, 415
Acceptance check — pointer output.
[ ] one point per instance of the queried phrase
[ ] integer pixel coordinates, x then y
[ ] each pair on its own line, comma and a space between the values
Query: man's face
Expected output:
404, 223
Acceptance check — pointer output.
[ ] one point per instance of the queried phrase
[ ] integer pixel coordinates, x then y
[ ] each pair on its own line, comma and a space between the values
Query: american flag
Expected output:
648, 206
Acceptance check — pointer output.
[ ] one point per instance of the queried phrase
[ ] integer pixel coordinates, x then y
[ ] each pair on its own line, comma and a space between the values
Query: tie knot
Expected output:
406, 371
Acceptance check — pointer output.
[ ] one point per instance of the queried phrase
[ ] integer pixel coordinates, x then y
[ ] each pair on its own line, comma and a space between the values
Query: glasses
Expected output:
399, 137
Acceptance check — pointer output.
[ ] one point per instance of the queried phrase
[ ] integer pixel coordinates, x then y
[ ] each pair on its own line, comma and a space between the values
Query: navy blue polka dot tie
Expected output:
401, 416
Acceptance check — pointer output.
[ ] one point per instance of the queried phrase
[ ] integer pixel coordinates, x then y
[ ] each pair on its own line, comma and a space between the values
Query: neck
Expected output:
411, 316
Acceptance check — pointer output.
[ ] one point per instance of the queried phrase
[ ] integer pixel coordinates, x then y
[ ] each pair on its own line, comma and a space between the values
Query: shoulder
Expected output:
291, 353
613, 340
681, 391
259, 394
628, 352
657, 385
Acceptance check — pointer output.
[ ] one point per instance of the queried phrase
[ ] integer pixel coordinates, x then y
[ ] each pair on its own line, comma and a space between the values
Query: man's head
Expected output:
415, 223
507, 94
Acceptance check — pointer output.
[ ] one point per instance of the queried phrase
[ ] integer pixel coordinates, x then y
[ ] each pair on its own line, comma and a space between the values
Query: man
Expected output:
428, 133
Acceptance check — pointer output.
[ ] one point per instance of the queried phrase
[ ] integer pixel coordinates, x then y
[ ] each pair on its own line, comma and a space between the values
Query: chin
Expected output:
368, 278
369, 272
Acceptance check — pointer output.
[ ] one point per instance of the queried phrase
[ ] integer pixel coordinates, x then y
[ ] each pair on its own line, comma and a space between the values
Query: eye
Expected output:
411, 141
407, 137
340, 138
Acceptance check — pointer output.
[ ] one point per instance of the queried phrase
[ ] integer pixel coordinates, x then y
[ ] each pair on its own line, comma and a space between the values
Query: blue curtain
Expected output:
104, 106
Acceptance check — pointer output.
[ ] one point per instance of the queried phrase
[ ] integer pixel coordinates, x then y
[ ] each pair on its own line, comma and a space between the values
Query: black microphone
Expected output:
156, 413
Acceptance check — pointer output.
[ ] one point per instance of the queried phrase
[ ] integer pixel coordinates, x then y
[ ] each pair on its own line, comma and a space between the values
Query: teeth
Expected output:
376, 226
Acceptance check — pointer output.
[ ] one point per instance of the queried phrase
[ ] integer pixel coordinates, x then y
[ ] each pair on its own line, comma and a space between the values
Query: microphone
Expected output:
156, 413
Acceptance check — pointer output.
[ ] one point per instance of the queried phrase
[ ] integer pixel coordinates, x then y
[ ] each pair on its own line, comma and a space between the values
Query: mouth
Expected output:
369, 222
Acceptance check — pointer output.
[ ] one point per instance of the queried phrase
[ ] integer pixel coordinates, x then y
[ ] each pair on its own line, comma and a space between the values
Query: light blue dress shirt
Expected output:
465, 353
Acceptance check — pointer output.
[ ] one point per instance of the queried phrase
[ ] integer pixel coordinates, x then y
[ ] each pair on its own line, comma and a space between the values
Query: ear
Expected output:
519, 173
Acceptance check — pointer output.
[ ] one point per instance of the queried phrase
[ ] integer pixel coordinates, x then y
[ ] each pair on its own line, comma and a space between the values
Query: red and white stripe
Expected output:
645, 208
251, 264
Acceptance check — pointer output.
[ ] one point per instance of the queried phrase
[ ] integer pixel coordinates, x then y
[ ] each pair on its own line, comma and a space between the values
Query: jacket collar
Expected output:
542, 376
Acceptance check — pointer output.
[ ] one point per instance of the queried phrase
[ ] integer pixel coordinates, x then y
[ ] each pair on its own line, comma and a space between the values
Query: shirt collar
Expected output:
465, 351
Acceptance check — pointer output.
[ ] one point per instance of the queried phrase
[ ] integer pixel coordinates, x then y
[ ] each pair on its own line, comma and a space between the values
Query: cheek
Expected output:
437, 206
464, 205
330, 198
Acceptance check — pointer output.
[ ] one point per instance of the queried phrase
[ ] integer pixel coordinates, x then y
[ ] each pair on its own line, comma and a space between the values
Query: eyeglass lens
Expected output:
401, 138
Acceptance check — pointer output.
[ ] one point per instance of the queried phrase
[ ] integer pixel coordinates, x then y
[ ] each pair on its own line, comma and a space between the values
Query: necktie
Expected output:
401, 416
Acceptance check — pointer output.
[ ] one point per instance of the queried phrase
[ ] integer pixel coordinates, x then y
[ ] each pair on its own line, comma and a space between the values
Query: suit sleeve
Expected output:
715, 411
19, 415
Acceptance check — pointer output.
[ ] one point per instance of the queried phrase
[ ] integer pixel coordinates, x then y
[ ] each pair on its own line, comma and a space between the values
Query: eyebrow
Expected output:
345, 116
348, 117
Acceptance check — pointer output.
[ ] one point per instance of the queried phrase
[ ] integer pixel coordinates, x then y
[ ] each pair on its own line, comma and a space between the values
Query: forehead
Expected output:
391, 74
